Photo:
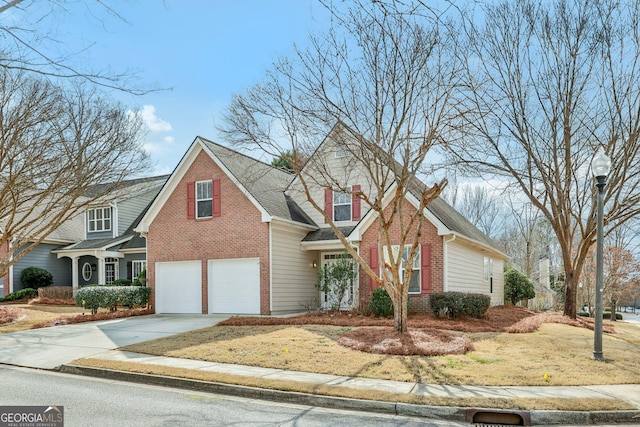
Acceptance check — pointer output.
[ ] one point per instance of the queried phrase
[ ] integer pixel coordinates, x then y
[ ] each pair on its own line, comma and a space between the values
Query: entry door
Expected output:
329, 299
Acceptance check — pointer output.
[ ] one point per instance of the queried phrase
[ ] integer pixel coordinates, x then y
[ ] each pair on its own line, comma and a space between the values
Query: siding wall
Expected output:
465, 272
42, 257
128, 210
342, 169
4, 280
293, 275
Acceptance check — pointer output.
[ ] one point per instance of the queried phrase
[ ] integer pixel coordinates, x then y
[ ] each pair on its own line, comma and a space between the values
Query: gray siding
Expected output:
127, 259
42, 257
293, 276
128, 210
465, 272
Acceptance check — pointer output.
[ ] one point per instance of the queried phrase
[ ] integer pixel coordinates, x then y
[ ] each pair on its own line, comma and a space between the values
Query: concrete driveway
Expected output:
48, 348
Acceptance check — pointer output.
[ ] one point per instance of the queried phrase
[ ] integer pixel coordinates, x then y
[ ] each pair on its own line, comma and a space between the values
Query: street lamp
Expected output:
600, 166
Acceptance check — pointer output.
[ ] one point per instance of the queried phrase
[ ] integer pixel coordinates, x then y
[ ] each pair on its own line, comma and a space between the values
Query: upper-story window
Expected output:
99, 219
204, 199
342, 206
341, 151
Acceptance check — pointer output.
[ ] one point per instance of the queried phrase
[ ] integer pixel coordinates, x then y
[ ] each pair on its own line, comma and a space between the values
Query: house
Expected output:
230, 234
97, 245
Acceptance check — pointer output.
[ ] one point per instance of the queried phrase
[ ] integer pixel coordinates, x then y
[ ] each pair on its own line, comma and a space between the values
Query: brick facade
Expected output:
418, 303
237, 233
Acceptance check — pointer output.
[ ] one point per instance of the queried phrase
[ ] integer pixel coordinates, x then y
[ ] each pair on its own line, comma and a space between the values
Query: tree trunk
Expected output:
570, 285
613, 310
400, 308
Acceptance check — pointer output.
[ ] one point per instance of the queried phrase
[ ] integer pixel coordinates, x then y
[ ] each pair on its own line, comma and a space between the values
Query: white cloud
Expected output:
169, 139
153, 122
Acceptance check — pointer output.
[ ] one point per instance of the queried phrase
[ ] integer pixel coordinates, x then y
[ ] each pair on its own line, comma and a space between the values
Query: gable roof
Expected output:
263, 184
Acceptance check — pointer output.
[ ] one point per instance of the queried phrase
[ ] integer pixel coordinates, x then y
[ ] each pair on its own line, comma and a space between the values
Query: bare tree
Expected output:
480, 206
547, 84
56, 145
32, 42
383, 73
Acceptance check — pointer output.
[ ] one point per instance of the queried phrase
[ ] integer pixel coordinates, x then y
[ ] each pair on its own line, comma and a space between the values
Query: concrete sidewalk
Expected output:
628, 393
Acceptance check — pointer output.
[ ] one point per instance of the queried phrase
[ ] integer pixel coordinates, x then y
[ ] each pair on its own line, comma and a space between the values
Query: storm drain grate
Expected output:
498, 418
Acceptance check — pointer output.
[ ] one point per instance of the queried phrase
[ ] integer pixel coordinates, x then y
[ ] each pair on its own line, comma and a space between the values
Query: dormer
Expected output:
100, 222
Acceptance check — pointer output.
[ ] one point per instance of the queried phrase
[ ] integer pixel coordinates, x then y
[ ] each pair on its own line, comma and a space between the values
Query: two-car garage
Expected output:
233, 286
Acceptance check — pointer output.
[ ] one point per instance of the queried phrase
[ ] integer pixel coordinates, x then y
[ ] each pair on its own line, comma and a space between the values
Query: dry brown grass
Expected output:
366, 394
37, 314
561, 351
11, 314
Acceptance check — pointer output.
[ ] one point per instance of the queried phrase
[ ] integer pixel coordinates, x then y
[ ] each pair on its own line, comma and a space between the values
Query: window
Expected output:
99, 219
341, 151
110, 270
342, 206
414, 282
137, 267
204, 199
87, 271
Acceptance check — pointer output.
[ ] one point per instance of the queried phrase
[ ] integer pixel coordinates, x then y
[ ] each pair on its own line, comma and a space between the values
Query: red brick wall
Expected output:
237, 233
417, 303
4, 254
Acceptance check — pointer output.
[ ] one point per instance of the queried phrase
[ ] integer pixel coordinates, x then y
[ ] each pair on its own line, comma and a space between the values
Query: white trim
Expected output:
204, 181
294, 223
445, 262
270, 225
178, 174
114, 219
84, 276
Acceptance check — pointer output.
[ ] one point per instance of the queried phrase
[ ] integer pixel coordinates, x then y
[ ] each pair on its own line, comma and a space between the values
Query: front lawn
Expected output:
554, 354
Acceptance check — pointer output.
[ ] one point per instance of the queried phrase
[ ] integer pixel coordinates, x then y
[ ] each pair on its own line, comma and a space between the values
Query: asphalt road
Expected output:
93, 402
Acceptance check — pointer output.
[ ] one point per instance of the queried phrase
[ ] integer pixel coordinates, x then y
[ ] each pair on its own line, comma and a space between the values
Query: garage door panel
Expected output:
234, 286
178, 287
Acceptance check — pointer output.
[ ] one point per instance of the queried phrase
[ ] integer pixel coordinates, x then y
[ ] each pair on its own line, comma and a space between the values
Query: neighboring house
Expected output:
98, 245
230, 234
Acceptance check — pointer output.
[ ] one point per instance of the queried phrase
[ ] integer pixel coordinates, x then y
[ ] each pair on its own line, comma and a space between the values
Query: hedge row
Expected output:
21, 294
95, 297
456, 304
605, 315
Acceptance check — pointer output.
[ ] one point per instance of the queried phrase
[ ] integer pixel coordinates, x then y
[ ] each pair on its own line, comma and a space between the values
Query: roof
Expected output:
91, 244
322, 234
455, 222
265, 183
128, 185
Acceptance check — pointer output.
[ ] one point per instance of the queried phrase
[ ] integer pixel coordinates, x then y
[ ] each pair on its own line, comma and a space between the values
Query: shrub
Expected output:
456, 304
141, 280
121, 282
381, 304
335, 279
607, 315
35, 277
95, 297
25, 293
56, 292
517, 286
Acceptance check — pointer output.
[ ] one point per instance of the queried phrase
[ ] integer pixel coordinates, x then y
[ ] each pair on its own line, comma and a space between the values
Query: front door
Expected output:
110, 270
347, 288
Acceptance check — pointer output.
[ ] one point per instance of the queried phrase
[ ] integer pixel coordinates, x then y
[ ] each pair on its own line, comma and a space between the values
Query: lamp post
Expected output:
600, 166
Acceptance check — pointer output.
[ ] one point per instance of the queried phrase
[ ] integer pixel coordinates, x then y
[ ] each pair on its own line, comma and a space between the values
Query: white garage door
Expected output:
179, 287
234, 286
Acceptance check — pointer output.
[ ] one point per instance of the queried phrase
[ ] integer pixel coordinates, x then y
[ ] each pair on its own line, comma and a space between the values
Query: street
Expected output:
94, 402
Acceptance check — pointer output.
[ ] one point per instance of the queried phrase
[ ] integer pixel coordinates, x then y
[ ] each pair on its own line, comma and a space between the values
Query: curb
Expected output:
538, 417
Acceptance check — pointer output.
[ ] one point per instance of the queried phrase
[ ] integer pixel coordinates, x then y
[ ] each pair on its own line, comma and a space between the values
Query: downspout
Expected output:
270, 266
445, 287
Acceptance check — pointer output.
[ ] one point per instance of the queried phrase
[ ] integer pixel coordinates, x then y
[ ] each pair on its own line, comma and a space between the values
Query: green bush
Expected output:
121, 282
456, 304
583, 314
110, 297
141, 280
35, 277
381, 304
27, 293
517, 286
607, 315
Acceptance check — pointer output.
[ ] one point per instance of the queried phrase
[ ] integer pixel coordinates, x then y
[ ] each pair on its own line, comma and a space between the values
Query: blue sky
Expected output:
205, 50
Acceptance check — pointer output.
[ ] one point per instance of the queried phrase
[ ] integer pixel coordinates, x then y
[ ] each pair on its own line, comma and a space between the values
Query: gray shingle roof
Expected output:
264, 182
93, 244
326, 234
